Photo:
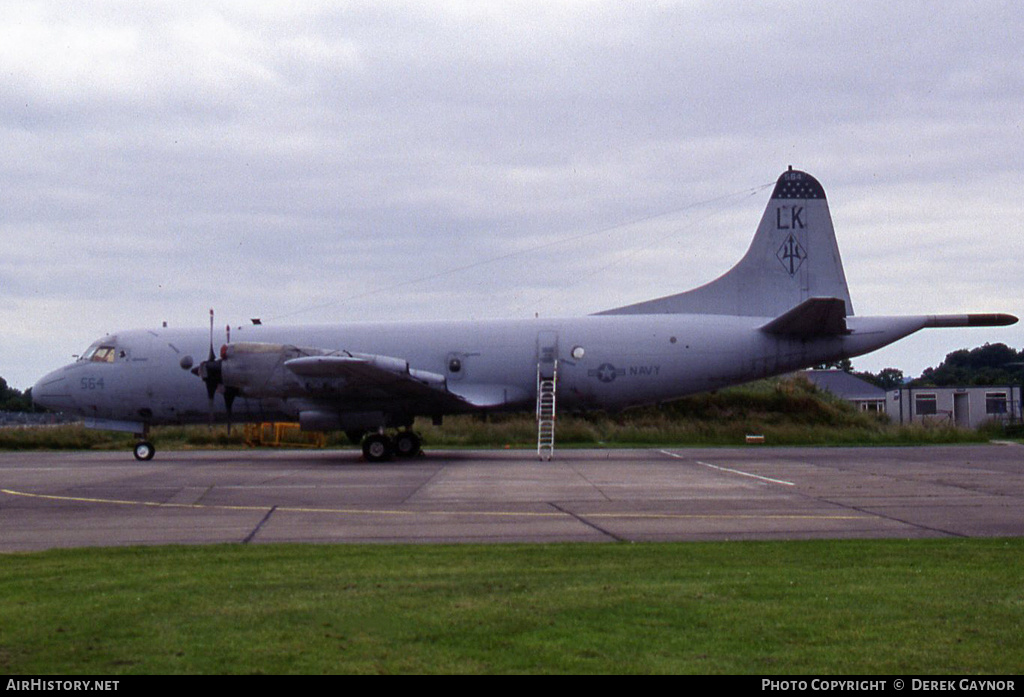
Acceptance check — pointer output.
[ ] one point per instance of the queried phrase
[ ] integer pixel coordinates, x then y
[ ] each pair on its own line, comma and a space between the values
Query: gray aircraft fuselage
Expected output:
624, 361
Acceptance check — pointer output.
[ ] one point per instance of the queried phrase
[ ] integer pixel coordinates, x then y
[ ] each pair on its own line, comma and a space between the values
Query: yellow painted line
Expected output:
292, 509
370, 511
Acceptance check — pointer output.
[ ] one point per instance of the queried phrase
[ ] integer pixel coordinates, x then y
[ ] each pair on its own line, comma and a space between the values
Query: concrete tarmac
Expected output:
79, 499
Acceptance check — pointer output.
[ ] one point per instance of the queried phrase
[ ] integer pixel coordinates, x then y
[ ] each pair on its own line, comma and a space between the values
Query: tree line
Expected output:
12, 399
991, 364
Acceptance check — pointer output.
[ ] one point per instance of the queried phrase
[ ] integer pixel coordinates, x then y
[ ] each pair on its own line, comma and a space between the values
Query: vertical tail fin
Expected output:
793, 257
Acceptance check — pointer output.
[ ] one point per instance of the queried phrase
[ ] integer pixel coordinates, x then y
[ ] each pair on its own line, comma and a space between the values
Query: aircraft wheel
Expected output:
144, 450
407, 444
377, 447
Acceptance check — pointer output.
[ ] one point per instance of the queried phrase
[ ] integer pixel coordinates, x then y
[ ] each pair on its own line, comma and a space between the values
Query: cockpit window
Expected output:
100, 354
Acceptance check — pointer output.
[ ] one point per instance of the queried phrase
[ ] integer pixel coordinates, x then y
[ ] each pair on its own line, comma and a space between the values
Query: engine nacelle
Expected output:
258, 369
284, 371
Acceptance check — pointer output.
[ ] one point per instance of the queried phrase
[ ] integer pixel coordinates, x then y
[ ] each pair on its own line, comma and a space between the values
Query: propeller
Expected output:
212, 373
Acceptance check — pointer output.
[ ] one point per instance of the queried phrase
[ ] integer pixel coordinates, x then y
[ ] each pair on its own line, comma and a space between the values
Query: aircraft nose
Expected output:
53, 391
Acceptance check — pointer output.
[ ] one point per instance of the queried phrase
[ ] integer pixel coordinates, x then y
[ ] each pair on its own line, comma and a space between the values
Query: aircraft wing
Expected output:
353, 379
368, 374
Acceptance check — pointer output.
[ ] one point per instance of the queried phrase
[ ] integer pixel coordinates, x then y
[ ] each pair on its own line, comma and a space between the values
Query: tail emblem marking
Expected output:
792, 255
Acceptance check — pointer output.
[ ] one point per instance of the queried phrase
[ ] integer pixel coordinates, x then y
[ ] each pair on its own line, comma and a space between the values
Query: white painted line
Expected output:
747, 474
726, 469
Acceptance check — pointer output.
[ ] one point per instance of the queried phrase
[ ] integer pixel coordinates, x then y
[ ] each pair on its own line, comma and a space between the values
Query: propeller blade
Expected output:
212, 374
212, 355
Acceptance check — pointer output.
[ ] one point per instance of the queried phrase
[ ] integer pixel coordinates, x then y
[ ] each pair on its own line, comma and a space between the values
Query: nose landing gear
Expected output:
144, 450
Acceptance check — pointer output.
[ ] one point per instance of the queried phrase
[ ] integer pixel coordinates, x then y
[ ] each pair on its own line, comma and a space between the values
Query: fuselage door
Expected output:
547, 352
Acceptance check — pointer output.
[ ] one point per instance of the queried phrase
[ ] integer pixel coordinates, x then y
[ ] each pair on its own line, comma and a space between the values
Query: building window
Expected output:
995, 402
925, 404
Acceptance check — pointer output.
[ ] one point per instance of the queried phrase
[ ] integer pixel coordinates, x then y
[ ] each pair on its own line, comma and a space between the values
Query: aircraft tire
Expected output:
377, 448
407, 444
144, 450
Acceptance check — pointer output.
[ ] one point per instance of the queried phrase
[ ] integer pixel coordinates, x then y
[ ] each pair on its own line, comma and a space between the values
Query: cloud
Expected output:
268, 158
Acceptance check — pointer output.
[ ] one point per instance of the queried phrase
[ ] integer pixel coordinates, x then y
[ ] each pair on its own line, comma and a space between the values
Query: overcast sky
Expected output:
319, 162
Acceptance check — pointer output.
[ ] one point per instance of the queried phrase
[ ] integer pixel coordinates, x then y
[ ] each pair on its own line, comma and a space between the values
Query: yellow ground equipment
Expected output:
282, 435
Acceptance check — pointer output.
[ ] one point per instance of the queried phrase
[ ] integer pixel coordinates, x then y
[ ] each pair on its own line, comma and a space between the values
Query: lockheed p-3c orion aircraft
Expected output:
785, 306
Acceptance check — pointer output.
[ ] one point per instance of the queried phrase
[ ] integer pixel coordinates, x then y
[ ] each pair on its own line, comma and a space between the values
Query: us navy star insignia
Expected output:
606, 372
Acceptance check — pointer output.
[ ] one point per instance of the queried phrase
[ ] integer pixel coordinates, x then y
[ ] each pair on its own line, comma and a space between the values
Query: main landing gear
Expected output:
378, 447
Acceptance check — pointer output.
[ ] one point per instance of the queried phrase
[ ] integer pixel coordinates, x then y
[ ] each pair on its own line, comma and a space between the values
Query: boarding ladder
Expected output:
546, 410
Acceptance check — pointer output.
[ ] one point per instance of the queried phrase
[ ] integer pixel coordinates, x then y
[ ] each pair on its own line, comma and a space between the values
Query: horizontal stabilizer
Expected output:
813, 318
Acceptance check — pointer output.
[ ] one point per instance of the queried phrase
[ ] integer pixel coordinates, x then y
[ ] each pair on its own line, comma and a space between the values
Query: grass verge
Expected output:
815, 607
788, 411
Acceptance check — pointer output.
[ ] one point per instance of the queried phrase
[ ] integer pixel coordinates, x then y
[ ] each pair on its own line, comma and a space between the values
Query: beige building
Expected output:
966, 407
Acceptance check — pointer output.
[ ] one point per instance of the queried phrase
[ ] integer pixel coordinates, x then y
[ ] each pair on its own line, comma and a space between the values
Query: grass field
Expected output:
817, 607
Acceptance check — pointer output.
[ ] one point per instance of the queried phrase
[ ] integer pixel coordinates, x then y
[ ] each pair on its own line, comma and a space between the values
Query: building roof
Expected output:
844, 385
